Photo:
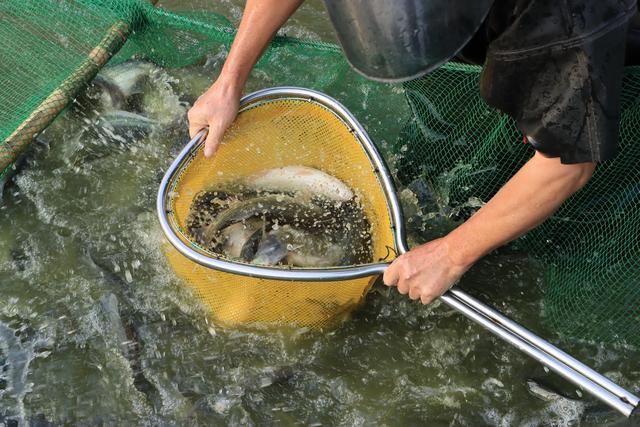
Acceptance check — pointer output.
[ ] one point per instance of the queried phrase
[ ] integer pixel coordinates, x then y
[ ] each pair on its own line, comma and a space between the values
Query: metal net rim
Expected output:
178, 238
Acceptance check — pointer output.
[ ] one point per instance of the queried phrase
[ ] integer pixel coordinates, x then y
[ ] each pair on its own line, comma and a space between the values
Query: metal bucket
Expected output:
398, 40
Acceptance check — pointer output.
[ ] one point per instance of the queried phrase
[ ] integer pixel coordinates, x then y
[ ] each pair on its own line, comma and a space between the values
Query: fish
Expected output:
296, 230
17, 351
113, 324
277, 208
120, 320
241, 239
122, 124
120, 82
331, 257
300, 179
112, 132
218, 221
299, 248
128, 76
271, 251
39, 145
108, 94
545, 391
118, 87
206, 205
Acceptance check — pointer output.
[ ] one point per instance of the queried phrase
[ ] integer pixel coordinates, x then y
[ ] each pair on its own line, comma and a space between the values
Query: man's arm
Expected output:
530, 197
218, 106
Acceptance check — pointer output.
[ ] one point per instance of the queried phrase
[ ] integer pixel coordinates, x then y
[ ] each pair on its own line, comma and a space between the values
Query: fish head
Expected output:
271, 251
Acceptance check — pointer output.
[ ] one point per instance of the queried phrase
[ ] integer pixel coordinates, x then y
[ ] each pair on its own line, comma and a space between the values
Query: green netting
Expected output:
436, 129
590, 248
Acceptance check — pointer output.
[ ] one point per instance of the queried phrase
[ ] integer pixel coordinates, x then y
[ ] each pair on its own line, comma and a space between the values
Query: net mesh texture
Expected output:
436, 129
274, 134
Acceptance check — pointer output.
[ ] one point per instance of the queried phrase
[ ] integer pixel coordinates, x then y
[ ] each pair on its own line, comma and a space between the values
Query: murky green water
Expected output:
96, 330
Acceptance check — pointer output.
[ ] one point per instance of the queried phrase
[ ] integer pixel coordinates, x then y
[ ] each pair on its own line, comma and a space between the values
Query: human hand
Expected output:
425, 272
215, 109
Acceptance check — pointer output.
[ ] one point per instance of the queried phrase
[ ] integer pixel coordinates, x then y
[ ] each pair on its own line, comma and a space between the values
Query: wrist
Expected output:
230, 84
462, 250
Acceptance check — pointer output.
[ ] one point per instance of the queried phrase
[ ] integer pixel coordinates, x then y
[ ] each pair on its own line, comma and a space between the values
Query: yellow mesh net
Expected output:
271, 134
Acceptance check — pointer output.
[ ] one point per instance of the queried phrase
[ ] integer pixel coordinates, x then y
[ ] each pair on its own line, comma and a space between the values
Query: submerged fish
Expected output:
124, 124
547, 392
17, 352
275, 208
112, 132
300, 179
241, 239
39, 145
120, 319
299, 248
113, 324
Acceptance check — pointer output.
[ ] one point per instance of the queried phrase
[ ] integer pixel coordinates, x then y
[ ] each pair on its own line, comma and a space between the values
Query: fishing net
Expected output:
436, 130
274, 133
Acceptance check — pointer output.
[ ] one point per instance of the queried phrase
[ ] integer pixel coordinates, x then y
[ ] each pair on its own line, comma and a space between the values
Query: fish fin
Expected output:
115, 96
250, 248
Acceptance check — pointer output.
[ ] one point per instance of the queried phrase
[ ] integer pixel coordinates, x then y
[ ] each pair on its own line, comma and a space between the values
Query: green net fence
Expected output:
590, 247
435, 130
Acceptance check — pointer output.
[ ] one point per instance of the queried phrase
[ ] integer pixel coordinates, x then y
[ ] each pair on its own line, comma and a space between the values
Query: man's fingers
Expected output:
213, 141
194, 129
427, 299
390, 277
195, 122
414, 293
403, 287
196, 126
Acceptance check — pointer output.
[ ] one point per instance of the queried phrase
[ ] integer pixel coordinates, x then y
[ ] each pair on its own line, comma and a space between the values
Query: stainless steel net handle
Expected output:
543, 351
552, 357
528, 336
492, 320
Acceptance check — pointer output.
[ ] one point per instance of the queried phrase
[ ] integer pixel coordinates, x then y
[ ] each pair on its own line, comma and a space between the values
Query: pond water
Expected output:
95, 329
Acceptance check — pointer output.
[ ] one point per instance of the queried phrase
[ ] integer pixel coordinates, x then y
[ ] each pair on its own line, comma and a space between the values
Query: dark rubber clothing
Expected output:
556, 67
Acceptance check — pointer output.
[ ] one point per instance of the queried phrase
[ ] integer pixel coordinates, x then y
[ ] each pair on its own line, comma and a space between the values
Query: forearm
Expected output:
260, 22
531, 196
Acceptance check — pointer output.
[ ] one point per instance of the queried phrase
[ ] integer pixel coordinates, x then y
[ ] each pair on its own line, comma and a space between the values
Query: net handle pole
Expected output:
62, 96
555, 359
596, 390
562, 363
547, 347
